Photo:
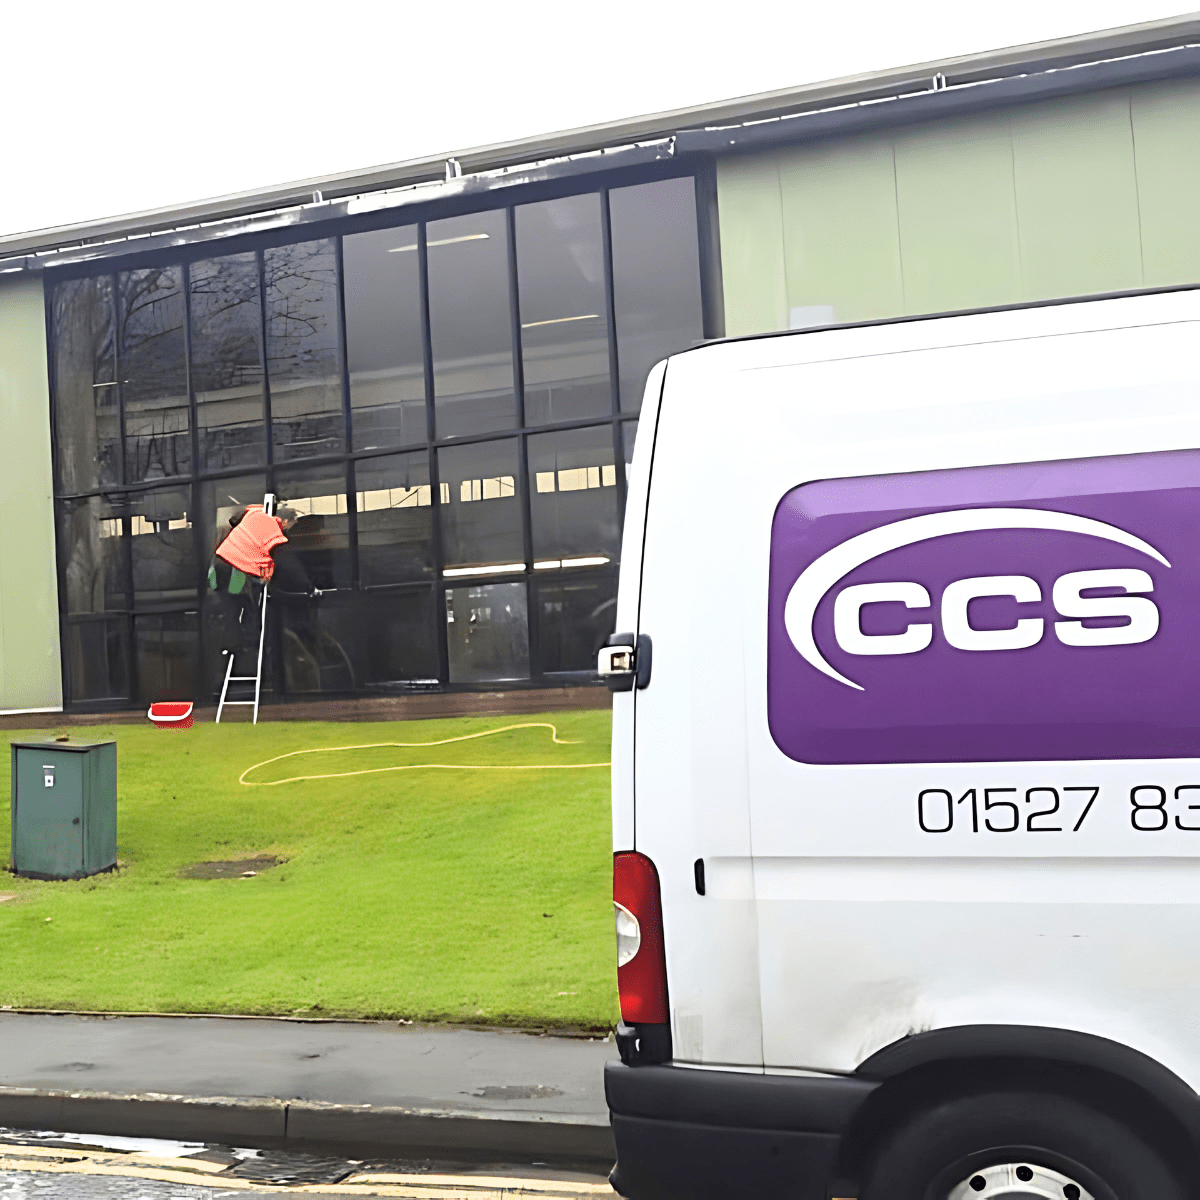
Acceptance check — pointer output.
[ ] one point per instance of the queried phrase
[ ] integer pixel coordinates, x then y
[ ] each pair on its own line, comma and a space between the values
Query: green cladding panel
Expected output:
1090, 193
30, 667
840, 232
64, 808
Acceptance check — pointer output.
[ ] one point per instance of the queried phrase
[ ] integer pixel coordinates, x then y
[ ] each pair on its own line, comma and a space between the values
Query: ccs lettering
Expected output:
1153, 808
1140, 614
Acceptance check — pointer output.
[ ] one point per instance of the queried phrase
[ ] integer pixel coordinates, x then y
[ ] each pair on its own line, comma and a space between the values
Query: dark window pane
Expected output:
302, 350
384, 342
162, 547
481, 509
574, 501
487, 630
314, 658
167, 649
154, 373
220, 499
377, 642
576, 615
227, 373
395, 519
93, 548
564, 330
628, 439
321, 536
97, 660
471, 324
656, 278
87, 423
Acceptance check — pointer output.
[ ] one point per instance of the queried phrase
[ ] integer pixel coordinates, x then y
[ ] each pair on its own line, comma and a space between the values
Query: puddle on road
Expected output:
156, 1147
265, 1166
291, 1167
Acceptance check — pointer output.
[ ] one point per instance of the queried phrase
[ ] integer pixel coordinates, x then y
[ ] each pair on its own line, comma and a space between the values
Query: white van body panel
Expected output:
833, 924
628, 599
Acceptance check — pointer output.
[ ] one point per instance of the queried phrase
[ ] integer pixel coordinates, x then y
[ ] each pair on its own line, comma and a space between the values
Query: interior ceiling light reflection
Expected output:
467, 237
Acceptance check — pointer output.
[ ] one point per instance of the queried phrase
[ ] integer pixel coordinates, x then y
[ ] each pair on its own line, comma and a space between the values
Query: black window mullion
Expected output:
614, 365
268, 431
131, 656
117, 315
194, 503
435, 484
193, 421
187, 368
347, 415
514, 308
708, 232
352, 521
56, 475
514, 303
126, 519
276, 637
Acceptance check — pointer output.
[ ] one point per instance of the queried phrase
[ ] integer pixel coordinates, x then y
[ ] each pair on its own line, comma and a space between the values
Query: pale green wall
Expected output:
29, 656
1092, 193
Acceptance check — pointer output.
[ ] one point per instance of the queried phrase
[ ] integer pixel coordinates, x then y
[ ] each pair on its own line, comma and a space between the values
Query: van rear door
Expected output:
691, 785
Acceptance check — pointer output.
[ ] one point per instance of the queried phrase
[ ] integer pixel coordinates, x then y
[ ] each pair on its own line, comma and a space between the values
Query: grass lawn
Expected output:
465, 895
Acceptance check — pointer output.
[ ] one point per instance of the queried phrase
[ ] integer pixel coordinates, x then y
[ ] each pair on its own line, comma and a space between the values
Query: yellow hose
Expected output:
421, 766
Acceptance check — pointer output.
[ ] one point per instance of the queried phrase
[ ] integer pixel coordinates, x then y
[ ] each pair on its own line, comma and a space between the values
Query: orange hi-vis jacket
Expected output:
249, 544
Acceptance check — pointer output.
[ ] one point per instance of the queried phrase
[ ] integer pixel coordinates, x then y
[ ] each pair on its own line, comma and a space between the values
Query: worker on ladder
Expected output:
241, 568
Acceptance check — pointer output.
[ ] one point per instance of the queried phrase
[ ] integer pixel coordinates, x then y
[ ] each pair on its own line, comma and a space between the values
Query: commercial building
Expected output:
440, 363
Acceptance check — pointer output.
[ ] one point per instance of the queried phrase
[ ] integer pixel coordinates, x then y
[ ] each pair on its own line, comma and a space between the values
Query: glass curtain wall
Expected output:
449, 405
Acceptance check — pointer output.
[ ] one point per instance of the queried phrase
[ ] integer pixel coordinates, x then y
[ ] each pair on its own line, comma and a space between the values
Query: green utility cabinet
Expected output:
64, 808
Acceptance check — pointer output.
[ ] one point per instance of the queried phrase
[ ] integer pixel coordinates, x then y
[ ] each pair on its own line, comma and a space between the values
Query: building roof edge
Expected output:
849, 90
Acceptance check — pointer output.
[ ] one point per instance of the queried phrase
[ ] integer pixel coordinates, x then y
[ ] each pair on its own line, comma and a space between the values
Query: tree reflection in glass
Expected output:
153, 373
87, 408
227, 373
302, 350
94, 554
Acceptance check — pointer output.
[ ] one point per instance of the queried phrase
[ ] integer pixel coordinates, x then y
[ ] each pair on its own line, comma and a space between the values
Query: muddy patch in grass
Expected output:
237, 868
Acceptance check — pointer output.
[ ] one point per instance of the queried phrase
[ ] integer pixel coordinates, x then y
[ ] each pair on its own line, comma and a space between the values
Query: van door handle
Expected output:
625, 661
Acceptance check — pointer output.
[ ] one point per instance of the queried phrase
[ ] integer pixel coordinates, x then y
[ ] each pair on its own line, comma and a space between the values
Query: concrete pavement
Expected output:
371, 1087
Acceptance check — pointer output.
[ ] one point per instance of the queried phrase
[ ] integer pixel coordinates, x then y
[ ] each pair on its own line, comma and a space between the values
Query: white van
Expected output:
906, 762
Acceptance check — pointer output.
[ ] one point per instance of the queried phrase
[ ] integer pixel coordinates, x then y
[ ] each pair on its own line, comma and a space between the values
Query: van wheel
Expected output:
1019, 1146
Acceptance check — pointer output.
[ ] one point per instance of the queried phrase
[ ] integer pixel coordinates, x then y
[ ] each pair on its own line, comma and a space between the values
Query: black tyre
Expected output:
1019, 1146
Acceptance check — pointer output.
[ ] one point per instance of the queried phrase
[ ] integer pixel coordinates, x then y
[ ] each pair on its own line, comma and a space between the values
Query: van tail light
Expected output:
641, 961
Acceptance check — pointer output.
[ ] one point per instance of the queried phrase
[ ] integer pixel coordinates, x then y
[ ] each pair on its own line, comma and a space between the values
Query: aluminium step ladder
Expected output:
256, 678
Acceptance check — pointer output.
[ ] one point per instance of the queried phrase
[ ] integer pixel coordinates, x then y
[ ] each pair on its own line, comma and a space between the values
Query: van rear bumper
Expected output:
685, 1134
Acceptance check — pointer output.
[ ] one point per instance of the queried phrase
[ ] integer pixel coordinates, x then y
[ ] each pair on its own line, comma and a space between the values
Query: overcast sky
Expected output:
133, 104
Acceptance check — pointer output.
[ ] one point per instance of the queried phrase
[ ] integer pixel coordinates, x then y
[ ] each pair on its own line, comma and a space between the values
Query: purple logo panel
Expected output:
1015, 613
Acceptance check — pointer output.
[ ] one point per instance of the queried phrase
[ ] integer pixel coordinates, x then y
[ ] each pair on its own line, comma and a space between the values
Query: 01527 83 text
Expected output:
1153, 808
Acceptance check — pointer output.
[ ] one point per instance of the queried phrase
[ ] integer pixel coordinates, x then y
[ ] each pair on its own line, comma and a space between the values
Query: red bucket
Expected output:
171, 714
